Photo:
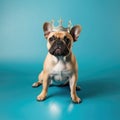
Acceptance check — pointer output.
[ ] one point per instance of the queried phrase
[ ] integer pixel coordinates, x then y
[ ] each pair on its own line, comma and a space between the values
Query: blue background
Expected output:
23, 50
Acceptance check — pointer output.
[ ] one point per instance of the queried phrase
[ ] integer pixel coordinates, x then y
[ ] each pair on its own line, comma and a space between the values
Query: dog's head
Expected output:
59, 42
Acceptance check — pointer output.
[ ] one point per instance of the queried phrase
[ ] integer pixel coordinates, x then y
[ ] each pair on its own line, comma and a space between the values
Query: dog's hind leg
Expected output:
78, 88
39, 82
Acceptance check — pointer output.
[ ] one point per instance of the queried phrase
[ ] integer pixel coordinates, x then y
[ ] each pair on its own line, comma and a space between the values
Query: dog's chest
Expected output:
60, 73
59, 67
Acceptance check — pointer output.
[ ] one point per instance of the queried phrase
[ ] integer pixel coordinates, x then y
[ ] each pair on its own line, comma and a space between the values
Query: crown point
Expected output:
52, 22
60, 22
69, 24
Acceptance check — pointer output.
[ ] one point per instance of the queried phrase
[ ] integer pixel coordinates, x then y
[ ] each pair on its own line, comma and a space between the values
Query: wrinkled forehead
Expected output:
60, 35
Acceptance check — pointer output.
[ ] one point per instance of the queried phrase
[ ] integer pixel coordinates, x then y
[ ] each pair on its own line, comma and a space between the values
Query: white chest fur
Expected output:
60, 73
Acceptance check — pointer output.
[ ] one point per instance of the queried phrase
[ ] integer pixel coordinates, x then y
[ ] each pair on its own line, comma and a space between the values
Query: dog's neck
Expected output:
62, 58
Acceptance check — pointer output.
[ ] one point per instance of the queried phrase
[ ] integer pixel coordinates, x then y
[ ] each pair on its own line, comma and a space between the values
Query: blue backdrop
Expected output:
23, 50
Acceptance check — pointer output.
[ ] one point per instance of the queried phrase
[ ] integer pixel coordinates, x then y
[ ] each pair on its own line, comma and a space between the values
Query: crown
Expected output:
60, 27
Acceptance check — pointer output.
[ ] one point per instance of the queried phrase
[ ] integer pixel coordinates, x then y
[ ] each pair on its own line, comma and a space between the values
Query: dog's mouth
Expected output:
59, 51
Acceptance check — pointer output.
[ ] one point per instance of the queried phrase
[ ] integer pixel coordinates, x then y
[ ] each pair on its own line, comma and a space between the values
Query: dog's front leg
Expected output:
45, 84
72, 83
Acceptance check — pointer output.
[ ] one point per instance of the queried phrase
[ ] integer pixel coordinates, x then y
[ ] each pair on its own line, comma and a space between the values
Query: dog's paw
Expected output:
41, 97
76, 99
36, 84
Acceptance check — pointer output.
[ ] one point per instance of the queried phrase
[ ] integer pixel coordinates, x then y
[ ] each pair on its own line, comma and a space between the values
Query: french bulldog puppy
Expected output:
60, 66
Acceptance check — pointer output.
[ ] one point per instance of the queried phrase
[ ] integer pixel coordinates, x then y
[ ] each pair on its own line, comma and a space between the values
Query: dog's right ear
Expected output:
47, 28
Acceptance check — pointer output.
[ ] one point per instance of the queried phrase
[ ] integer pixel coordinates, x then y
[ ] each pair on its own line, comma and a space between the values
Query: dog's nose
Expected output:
59, 42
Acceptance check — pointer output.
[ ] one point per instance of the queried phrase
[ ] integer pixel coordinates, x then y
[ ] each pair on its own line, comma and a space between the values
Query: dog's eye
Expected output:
52, 38
67, 41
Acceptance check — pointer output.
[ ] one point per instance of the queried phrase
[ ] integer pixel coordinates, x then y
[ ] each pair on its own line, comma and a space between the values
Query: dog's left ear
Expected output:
47, 28
75, 32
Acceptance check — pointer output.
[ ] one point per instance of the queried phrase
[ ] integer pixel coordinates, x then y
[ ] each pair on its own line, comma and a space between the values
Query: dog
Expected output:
60, 66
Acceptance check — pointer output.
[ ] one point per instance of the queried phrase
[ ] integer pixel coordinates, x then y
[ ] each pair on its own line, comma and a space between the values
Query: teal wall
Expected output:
21, 35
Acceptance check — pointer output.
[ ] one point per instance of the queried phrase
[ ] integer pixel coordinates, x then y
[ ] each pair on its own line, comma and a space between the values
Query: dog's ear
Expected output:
75, 32
47, 28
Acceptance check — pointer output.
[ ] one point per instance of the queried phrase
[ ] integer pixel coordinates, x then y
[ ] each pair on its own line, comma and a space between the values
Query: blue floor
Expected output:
100, 94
